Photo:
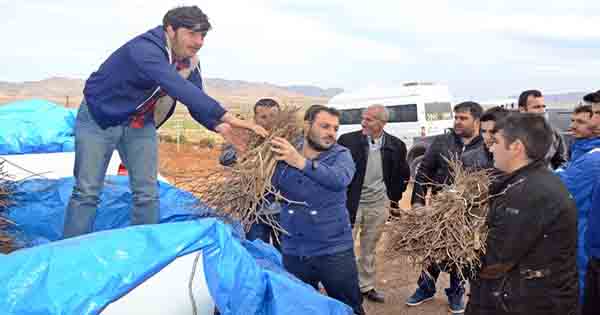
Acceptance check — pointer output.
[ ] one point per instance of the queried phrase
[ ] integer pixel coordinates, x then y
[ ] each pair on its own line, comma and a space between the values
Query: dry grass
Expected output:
451, 230
240, 190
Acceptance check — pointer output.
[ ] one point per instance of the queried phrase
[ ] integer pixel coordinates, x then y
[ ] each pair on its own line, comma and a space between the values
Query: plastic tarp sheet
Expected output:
36, 126
83, 275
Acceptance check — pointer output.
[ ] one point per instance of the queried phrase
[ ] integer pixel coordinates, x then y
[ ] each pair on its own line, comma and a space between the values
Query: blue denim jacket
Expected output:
320, 225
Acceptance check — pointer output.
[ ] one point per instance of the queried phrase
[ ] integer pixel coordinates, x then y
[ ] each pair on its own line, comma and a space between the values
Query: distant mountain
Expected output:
571, 98
233, 93
314, 91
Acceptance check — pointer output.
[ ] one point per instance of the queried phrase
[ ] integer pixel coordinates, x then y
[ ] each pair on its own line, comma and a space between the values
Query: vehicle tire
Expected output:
414, 165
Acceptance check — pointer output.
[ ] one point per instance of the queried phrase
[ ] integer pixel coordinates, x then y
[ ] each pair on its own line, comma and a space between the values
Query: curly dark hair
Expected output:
190, 17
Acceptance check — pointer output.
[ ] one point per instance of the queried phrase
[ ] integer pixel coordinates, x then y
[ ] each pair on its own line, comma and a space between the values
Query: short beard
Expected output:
467, 133
315, 145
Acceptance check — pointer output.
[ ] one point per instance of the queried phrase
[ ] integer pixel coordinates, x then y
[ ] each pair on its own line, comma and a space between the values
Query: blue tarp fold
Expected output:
84, 274
36, 126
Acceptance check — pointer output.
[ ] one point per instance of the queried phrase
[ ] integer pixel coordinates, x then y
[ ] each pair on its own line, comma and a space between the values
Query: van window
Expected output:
438, 111
403, 113
351, 116
398, 114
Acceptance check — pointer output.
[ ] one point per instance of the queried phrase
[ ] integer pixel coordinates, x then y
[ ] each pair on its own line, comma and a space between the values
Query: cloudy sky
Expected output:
480, 50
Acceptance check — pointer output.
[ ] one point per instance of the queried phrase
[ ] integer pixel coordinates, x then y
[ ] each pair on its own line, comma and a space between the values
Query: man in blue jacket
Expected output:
591, 292
317, 244
580, 174
133, 92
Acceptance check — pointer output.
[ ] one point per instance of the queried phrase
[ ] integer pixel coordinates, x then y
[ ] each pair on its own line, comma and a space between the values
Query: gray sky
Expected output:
480, 50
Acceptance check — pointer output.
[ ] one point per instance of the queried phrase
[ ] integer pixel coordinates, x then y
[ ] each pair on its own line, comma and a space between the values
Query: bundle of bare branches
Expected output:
6, 242
450, 230
239, 191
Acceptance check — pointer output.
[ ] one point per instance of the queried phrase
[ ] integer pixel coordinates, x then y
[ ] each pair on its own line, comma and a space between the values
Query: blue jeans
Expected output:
427, 284
265, 233
337, 272
94, 146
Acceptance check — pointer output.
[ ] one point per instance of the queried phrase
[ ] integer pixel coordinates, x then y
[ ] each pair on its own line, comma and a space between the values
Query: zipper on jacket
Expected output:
151, 95
158, 87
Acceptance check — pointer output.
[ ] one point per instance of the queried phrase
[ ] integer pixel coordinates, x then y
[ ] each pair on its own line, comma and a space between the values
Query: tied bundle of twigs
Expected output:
6, 242
239, 191
450, 230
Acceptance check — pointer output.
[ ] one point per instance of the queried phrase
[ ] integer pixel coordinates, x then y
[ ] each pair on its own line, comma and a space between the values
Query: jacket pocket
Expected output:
326, 226
83, 114
536, 290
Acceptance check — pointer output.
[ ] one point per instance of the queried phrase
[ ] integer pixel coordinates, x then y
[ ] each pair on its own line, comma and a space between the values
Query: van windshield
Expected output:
438, 111
398, 114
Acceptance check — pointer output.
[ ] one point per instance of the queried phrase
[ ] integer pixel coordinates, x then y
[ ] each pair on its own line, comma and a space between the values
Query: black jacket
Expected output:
530, 262
557, 153
434, 168
396, 171
478, 158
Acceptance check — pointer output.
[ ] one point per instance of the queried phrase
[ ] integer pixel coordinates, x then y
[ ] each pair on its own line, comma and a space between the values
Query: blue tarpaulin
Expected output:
36, 126
82, 275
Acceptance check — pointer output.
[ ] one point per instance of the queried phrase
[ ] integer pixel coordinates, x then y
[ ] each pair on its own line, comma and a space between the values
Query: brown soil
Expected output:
397, 278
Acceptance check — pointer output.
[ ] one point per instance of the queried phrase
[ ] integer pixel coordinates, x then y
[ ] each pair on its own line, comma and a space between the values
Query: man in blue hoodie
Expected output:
580, 174
591, 292
133, 92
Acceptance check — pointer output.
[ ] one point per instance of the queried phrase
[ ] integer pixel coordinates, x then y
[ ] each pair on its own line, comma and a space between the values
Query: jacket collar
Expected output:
476, 141
386, 141
518, 175
583, 146
158, 36
335, 148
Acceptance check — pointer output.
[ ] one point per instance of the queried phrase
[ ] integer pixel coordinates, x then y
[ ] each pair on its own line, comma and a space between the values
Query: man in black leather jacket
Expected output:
530, 262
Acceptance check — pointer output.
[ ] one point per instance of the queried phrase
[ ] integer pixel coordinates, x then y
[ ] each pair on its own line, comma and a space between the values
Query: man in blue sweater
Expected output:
317, 244
133, 92
580, 174
591, 292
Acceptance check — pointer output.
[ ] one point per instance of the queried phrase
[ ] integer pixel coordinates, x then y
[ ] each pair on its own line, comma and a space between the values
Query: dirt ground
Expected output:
396, 278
